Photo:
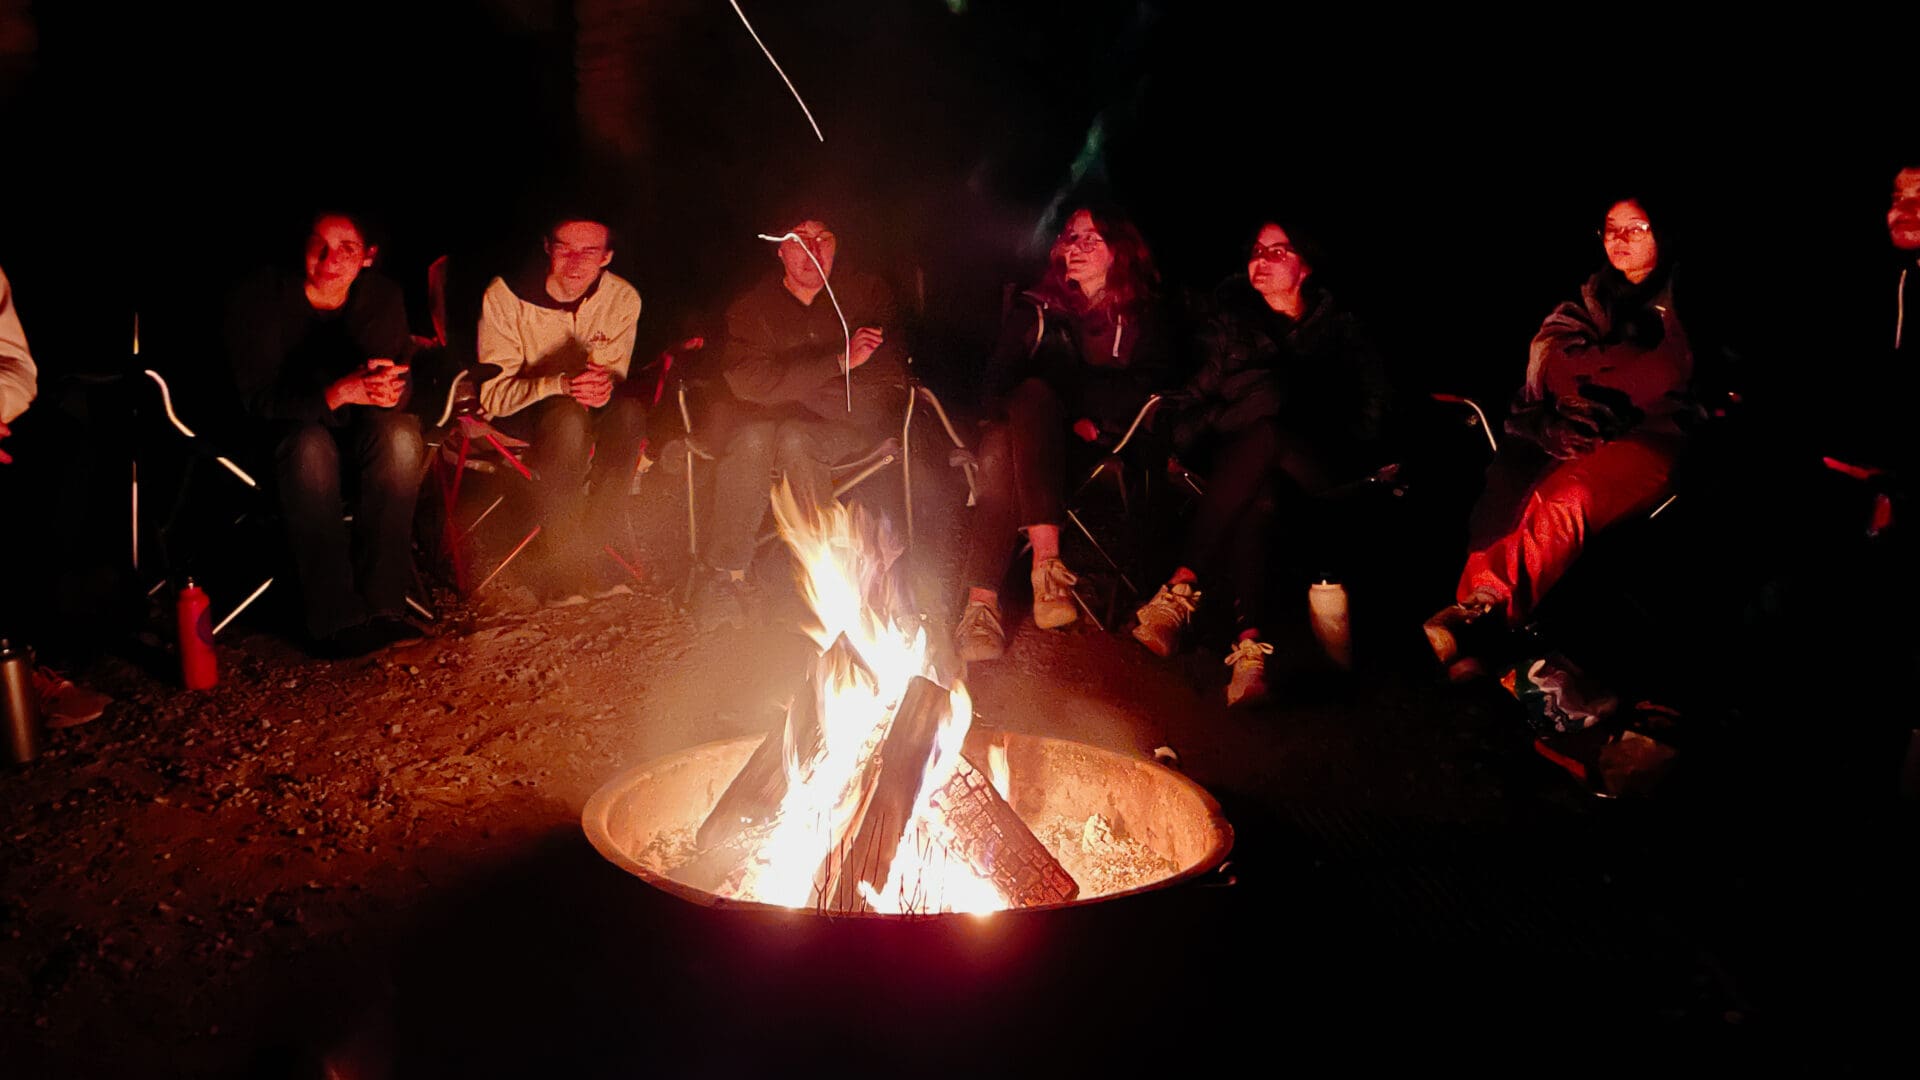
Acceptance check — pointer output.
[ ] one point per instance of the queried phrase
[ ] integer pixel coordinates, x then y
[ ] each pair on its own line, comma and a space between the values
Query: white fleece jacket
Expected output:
19, 380
540, 343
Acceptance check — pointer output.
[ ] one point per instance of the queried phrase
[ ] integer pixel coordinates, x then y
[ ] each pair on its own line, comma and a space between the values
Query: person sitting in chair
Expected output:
562, 336
803, 393
1596, 432
319, 357
1079, 354
1289, 400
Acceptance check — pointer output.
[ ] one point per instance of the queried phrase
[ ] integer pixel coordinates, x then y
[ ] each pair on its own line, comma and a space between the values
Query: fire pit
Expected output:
876, 795
1118, 825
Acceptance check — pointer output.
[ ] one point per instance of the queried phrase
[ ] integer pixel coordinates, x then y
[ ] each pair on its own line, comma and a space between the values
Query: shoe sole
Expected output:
974, 656
1444, 645
1153, 644
1055, 621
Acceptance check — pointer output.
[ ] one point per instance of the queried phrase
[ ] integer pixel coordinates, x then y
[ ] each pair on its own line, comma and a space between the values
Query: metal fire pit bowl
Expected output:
1169, 822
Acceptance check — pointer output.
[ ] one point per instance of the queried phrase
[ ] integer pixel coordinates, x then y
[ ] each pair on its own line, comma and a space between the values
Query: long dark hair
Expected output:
1133, 280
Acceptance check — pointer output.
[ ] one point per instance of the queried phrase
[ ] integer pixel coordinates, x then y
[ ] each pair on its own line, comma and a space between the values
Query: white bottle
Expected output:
1327, 602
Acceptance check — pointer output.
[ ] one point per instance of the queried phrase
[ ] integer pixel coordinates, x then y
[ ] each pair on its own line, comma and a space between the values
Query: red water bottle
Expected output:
195, 625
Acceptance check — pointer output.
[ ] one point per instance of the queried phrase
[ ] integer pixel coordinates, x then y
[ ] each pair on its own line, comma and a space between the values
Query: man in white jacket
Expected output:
562, 337
18, 378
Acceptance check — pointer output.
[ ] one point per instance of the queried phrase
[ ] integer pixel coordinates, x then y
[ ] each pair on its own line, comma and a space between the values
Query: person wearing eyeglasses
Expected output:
1594, 436
804, 391
1289, 400
561, 334
1078, 355
320, 358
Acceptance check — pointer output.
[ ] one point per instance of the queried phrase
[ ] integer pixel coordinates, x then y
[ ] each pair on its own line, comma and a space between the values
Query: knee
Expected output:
307, 458
1033, 398
625, 417
995, 455
751, 441
794, 445
565, 432
397, 443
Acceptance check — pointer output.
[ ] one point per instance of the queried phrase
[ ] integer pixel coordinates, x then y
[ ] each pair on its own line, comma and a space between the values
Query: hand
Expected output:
592, 387
5, 458
1087, 430
386, 382
865, 341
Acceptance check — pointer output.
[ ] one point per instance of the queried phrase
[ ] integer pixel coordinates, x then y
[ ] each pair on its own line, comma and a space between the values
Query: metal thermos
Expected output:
195, 626
25, 733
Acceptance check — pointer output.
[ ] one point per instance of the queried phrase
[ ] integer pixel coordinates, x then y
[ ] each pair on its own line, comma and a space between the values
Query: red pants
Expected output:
1620, 479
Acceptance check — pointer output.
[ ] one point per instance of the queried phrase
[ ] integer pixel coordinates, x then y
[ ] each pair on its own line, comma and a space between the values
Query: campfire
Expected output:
878, 796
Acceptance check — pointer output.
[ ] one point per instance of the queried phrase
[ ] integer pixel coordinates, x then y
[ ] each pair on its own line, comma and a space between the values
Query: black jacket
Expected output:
1319, 376
285, 354
1103, 364
783, 358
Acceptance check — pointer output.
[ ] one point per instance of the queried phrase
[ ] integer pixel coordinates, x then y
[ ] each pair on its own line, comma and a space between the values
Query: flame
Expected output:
845, 561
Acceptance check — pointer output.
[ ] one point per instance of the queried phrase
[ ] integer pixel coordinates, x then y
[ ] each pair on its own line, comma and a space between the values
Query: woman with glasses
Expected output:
1593, 438
1078, 355
1289, 400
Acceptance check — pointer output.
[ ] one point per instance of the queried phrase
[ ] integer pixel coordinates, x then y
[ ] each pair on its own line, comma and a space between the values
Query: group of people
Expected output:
1272, 391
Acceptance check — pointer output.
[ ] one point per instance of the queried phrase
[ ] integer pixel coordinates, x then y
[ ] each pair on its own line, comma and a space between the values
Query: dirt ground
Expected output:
245, 881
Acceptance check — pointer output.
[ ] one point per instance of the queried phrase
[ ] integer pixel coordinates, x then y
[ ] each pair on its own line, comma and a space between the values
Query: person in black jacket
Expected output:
804, 392
1078, 355
320, 360
1289, 400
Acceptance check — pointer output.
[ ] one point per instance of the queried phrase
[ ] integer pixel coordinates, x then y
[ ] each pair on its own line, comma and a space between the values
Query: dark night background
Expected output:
1455, 163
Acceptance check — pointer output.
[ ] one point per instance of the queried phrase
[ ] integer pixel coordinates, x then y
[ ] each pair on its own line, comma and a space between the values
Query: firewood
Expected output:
892, 780
989, 837
754, 796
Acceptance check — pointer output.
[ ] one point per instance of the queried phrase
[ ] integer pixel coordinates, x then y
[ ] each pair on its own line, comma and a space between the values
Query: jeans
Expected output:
755, 454
572, 446
1020, 481
348, 574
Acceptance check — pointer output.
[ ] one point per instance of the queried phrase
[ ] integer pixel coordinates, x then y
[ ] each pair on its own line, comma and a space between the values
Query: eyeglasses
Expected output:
1272, 253
352, 249
1629, 232
568, 251
1085, 243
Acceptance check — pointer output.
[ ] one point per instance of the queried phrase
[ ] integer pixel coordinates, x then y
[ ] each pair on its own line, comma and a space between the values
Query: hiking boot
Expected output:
979, 636
1448, 625
720, 602
1053, 603
1249, 683
1163, 620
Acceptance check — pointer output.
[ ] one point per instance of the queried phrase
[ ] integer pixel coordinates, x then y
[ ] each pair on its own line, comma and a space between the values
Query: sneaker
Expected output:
1447, 625
719, 603
1249, 683
1161, 621
979, 636
64, 704
1053, 603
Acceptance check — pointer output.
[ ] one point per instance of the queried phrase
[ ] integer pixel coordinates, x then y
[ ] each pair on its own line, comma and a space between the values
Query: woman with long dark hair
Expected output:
1288, 401
1078, 355
1593, 438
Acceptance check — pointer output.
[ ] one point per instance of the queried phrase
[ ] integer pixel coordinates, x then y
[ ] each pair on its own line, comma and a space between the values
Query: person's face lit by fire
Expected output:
1628, 236
576, 253
801, 272
1903, 217
1274, 268
336, 253
1085, 253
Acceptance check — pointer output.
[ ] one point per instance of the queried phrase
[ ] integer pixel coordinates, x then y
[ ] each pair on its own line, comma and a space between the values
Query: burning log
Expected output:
893, 781
754, 796
989, 837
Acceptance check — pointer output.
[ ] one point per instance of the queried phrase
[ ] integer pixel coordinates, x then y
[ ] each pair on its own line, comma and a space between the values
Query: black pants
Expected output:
348, 574
1257, 510
755, 453
572, 446
1021, 479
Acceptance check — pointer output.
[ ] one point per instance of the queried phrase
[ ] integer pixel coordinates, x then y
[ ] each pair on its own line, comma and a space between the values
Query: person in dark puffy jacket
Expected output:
1289, 400
1594, 435
1078, 355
